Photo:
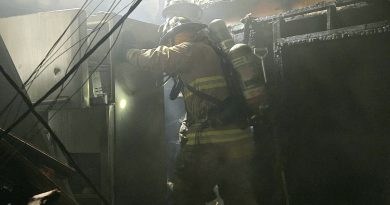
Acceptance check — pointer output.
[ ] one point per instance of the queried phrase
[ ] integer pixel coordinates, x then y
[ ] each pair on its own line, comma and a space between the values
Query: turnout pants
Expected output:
201, 167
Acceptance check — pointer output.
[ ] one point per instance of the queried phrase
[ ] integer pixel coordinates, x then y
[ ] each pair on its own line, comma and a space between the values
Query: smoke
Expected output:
148, 10
45, 4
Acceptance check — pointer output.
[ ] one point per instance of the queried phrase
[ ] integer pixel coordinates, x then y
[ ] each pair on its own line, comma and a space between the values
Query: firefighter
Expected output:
214, 151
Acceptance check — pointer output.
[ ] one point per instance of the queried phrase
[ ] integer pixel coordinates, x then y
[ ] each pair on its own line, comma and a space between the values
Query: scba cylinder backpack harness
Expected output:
246, 76
231, 110
244, 81
228, 111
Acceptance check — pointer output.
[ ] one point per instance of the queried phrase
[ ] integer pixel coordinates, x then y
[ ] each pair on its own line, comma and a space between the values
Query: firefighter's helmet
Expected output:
176, 25
184, 8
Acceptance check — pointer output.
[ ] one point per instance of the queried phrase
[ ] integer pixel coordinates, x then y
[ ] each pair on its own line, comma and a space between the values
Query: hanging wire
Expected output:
100, 25
93, 31
86, 81
96, 29
46, 125
55, 137
63, 80
78, 90
37, 74
62, 45
83, 84
46, 56
6, 158
7, 109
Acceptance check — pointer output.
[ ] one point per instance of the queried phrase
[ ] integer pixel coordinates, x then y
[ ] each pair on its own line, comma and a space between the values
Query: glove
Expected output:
124, 54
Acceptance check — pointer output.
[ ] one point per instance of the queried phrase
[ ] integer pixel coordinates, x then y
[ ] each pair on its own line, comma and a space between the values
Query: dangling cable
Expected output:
74, 68
55, 137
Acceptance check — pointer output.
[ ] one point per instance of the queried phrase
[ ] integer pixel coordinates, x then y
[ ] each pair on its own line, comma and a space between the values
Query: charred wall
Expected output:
326, 137
233, 11
335, 118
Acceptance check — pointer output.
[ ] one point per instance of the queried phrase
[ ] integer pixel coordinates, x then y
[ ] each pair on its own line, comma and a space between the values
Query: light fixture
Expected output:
122, 104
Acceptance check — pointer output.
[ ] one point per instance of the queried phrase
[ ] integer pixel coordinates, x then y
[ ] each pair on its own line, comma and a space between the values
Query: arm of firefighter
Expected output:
161, 59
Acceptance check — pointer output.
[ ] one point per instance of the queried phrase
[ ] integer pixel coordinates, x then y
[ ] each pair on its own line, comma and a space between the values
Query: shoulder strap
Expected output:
202, 95
228, 72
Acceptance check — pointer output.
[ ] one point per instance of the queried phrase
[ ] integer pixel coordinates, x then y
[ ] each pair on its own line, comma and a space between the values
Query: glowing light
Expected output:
122, 104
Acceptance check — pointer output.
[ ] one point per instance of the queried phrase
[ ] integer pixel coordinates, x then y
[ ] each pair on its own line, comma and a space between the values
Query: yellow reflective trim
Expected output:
217, 136
216, 139
206, 87
253, 92
206, 79
211, 86
219, 132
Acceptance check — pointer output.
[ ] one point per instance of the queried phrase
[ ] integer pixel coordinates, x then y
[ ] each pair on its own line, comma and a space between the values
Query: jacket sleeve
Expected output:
161, 59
